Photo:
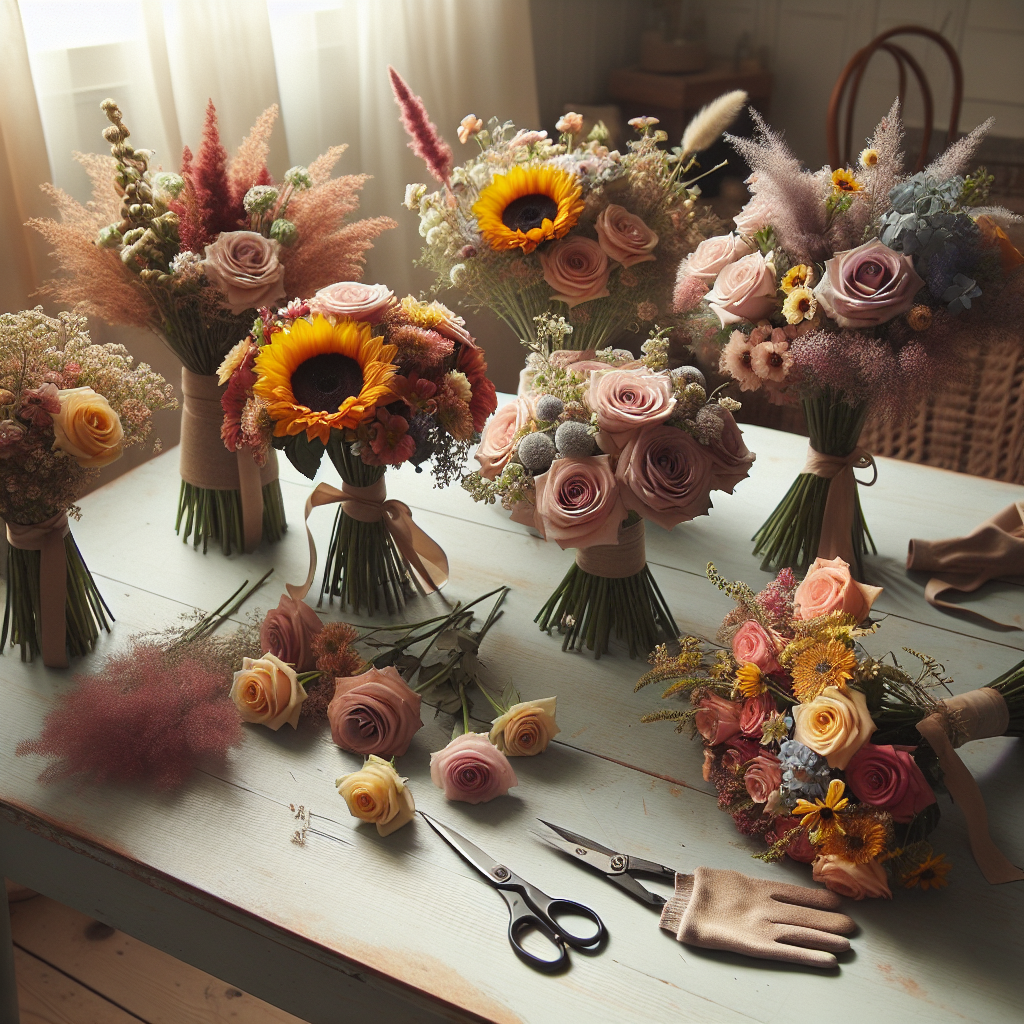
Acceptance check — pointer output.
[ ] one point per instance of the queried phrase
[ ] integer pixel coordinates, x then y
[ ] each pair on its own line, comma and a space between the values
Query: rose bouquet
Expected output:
828, 755
853, 291
595, 444
67, 408
192, 255
374, 383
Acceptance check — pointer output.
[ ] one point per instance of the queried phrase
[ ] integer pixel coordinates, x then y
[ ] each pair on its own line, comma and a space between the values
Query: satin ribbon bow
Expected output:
837, 522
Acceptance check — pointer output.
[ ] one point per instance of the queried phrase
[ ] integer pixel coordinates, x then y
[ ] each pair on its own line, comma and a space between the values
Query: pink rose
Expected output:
577, 268
665, 475
287, 632
753, 644
755, 711
354, 300
799, 848
717, 719
889, 778
868, 285
495, 447
754, 217
472, 769
739, 750
578, 503
731, 458
855, 881
626, 400
763, 777
374, 713
744, 290
829, 587
244, 266
624, 236
712, 256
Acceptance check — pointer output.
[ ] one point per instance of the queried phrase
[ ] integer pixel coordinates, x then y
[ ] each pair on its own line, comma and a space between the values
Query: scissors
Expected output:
528, 906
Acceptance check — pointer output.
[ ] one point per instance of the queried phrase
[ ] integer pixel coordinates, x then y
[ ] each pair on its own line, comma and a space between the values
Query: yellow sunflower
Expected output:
317, 376
860, 839
823, 664
845, 181
527, 206
930, 874
749, 681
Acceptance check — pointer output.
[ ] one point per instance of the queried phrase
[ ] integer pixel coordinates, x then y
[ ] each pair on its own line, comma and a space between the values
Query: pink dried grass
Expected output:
249, 164
425, 140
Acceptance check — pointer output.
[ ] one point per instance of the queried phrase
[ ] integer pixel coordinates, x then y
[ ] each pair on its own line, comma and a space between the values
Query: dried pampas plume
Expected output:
711, 121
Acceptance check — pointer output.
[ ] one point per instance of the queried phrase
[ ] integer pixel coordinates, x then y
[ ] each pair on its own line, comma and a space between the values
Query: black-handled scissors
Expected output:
528, 907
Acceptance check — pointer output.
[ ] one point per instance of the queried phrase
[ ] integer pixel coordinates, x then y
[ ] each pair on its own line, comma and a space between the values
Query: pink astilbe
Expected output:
425, 140
776, 600
688, 293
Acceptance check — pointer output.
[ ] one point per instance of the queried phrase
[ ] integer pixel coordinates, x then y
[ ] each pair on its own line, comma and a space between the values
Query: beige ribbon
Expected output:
971, 716
837, 522
369, 505
994, 549
48, 539
616, 561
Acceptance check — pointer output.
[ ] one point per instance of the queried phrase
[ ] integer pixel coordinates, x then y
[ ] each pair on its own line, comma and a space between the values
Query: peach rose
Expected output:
245, 267
752, 643
87, 429
495, 448
835, 724
378, 794
354, 300
713, 255
829, 587
374, 713
717, 719
526, 728
744, 290
626, 400
624, 236
578, 503
763, 777
472, 769
577, 268
267, 691
855, 881
287, 632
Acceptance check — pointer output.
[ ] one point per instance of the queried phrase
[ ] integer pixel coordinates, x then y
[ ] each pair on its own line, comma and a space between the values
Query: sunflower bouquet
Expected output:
848, 290
829, 756
191, 256
373, 382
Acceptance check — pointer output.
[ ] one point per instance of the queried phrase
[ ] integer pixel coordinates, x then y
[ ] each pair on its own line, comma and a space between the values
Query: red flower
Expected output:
390, 442
485, 399
236, 394
417, 392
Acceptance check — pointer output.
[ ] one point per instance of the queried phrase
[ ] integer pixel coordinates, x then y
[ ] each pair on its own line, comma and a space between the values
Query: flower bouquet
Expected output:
192, 255
374, 383
852, 291
68, 408
596, 443
830, 756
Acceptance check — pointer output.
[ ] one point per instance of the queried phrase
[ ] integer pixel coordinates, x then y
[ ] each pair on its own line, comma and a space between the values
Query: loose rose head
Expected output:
287, 632
762, 777
244, 266
712, 256
829, 587
744, 290
888, 777
755, 712
526, 728
624, 236
751, 643
378, 794
626, 400
835, 725
267, 692
495, 448
87, 428
472, 769
855, 881
577, 269
578, 503
354, 301
374, 713
717, 719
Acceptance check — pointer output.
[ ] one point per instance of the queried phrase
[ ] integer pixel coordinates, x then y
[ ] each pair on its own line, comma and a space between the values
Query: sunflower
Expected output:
527, 206
821, 818
929, 874
749, 681
861, 839
825, 663
316, 377
845, 181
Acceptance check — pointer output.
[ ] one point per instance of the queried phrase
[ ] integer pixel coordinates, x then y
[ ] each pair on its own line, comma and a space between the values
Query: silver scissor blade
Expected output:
585, 855
468, 851
578, 840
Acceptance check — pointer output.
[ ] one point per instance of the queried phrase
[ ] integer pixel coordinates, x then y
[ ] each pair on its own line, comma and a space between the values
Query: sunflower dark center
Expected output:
528, 212
823, 667
826, 814
323, 382
855, 842
927, 875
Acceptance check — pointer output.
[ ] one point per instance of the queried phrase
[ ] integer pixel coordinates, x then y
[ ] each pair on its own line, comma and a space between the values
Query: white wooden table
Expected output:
354, 927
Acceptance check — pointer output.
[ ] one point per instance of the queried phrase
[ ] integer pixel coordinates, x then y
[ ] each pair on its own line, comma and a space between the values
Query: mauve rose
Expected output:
755, 711
665, 476
717, 719
472, 769
495, 448
829, 587
624, 236
763, 777
626, 400
800, 848
855, 881
287, 631
578, 503
730, 457
744, 290
739, 750
374, 713
753, 217
577, 268
889, 778
244, 267
868, 285
354, 300
712, 256
751, 643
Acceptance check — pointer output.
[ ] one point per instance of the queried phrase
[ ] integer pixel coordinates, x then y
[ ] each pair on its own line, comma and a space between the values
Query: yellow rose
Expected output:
87, 428
378, 794
834, 724
268, 692
526, 728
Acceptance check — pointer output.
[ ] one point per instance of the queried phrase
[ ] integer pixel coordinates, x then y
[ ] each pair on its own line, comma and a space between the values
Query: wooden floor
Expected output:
73, 970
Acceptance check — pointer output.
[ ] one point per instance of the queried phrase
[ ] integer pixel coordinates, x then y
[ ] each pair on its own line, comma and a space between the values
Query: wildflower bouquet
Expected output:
192, 255
67, 408
596, 443
832, 757
374, 383
853, 291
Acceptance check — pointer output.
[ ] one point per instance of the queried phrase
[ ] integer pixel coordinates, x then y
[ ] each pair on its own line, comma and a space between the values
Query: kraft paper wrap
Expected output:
971, 716
616, 561
47, 538
206, 463
837, 522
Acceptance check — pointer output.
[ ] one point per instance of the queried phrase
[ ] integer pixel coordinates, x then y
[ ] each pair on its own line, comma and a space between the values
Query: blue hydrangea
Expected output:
804, 773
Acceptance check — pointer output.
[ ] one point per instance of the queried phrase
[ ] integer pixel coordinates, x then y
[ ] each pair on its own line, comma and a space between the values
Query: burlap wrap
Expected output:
206, 463
837, 522
616, 561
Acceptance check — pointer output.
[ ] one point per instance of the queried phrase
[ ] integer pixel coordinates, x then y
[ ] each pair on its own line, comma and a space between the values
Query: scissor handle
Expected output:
522, 917
550, 909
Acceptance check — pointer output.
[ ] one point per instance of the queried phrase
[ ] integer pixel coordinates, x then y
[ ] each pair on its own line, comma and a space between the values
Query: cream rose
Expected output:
829, 587
267, 691
87, 428
744, 290
378, 794
855, 881
624, 236
713, 255
244, 266
835, 725
354, 300
526, 728
576, 268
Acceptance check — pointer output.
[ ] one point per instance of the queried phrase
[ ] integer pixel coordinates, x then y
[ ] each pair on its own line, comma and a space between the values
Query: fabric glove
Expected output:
772, 920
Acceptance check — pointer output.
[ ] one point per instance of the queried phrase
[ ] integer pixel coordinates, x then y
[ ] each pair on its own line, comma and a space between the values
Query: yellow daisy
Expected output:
527, 206
823, 664
821, 817
930, 874
800, 276
845, 181
316, 377
800, 305
749, 681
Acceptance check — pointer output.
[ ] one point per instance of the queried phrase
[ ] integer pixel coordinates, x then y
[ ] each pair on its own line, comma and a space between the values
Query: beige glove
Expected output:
772, 920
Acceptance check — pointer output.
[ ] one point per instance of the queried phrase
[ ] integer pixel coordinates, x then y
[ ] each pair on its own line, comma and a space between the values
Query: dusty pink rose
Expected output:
712, 256
744, 290
855, 881
665, 475
717, 719
867, 286
763, 777
374, 713
753, 217
354, 300
829, 587
495, 448
624, 236
287, 632
578, 503
752, 643
626, 400
755, 711
244, 266
577, 268
731, 459
739, 750
800, 848
889, 778
472, 769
